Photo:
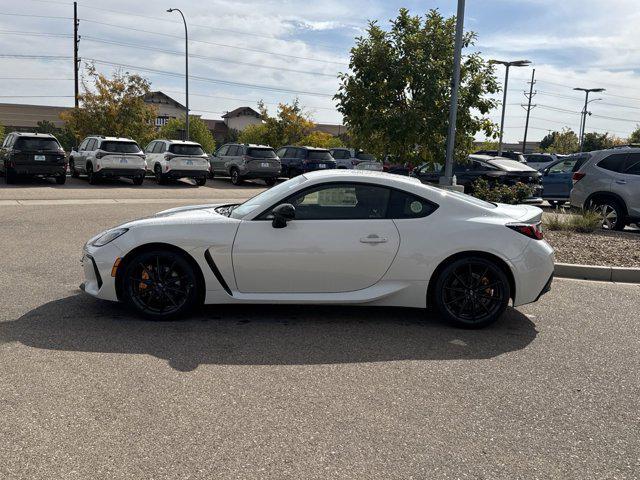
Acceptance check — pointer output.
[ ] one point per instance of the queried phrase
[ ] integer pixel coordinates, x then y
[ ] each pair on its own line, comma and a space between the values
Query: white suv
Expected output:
173, 159
108, 157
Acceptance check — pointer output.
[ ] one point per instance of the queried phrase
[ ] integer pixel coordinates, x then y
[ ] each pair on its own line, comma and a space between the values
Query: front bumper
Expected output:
97, 263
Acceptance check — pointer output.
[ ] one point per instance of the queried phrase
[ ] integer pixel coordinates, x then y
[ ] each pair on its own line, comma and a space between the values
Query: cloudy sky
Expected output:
244, 50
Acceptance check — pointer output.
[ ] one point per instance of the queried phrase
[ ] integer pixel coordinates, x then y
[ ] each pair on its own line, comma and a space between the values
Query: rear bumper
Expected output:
39, 170
533, 271
120, 172
204, 173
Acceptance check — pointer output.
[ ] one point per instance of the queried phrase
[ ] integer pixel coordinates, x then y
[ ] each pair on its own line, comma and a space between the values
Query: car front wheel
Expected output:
236, 179
160, 284
612, 214
472, 292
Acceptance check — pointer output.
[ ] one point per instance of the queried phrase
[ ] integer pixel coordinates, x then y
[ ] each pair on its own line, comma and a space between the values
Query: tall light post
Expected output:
583, 119
453, 106
515, 63
186, 67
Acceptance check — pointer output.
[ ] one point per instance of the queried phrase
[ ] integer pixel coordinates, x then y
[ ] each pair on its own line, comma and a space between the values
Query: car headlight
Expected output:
109, 236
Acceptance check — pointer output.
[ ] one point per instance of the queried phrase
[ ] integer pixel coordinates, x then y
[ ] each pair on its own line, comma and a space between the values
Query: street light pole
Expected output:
186, 68
515, 63
453, 106
583, 119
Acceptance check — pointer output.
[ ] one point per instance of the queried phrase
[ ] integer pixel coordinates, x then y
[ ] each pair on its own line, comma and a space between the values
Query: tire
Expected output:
612, 213
212, 175
72, 169
201, 181
91, 177
236, 179
293, 172
157, 172
9, 177
472, 292
270, 182
61, 179
160, 284
138, 180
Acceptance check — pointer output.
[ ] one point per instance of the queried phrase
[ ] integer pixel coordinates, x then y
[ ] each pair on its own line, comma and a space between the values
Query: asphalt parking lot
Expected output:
89, 391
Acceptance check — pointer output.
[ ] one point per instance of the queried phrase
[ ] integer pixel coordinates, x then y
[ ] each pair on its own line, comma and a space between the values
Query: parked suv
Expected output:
242, 161
356, 159
540, 160
297, 160
108, 157
33, 155
174, 159
610, 181
517, 156
557, 178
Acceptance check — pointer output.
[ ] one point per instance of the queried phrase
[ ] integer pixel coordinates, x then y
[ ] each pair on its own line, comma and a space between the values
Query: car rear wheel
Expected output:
9, 176
472, 292
612, 214
236, 179
72, 169
138, 179
201, 181
61, 179
270, 182
160, 284
157, 172
91, 177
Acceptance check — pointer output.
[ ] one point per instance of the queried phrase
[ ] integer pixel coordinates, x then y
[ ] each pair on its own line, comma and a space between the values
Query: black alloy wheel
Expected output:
138, 179
160, 284
612, 214
91, 177
61, 179
201, 181
270, 182
472, 292
157, 172
236, 179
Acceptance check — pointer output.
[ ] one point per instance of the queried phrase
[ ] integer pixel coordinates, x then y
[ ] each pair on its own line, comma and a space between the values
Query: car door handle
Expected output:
373, 238
621, 182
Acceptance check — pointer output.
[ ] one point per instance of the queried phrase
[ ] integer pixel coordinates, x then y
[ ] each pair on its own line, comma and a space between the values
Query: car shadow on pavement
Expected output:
264, 334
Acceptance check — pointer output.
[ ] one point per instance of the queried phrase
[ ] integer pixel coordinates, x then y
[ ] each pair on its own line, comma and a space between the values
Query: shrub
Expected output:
555, 222
586, 221
500, 193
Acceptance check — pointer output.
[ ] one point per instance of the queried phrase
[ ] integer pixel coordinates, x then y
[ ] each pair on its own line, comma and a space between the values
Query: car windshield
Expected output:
261, 152
511, 165
266, 198
180, 149
319, 155
366, 156
120, 147
33, 143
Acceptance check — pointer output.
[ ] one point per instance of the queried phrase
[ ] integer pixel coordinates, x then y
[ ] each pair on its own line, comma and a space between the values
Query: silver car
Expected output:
242, 161
609, 180
355, 159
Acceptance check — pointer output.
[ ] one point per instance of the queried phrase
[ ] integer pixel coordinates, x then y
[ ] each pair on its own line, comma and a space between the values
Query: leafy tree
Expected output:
64, 135
290, 125
1, 133
548, 140
396, 100
321, 140
600, 141
198, 132
488, 145
564, 142
113, 106
635, 135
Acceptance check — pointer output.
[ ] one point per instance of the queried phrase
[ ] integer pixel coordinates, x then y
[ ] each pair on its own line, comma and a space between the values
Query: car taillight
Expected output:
577, 176
354, 162
100, 154
531, 230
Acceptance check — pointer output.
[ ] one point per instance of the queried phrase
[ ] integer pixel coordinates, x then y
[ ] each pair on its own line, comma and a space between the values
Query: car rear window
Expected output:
35, 143
341, 154
261, 152
319, 155
120, 147
186, 149
366, 156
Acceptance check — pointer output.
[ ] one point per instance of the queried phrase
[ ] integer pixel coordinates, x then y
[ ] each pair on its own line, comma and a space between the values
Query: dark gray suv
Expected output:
242, 161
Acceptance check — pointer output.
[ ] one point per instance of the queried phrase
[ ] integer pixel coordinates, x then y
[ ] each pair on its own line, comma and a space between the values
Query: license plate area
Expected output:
39, 158
322, 165
264, 164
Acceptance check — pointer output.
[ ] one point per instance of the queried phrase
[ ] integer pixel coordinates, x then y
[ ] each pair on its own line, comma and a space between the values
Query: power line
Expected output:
51, 17
204, 57
39, 79
35, 57
36, 96
210, 80
35, 34
248, 49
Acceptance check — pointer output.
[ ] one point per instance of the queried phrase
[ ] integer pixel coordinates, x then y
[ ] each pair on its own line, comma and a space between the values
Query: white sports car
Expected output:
329, 237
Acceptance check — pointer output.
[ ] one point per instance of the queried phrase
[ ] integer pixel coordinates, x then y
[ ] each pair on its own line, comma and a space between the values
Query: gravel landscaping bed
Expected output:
611, 249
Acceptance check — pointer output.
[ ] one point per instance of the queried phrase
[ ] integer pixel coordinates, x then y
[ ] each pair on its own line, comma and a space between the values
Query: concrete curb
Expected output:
595, 272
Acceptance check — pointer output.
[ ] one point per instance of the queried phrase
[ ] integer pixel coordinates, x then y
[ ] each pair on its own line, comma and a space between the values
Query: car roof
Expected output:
181, 142
305, 147
33, 134
348, 175
111, 139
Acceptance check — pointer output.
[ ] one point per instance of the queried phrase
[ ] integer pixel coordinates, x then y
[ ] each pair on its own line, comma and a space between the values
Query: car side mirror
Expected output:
282, 214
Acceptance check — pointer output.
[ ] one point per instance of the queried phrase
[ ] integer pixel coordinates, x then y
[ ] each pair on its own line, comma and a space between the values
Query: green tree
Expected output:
599, 141
488, 144
1, 133
198, 132
290, 125
547, 140
113, 106
64, 135
565, 142
320, 140
396, 98
635, 135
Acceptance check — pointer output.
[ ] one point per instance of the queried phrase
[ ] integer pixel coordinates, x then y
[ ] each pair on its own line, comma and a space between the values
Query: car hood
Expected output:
188, 215
521, 213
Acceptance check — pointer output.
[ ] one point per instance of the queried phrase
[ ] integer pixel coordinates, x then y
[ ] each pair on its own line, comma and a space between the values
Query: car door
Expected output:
217, 161
627, 184
79, 157
151, 156
556, 180
87, 154
340, 241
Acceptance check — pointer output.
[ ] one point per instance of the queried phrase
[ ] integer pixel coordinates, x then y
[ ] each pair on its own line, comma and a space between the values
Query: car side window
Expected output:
222, 151
341, 154
340, 202
150, 147
83, 145
563, 167
614, 163
406, 205
162, 148
281, 152
633, 164
91, 145
233, 151
157, 148
301, 153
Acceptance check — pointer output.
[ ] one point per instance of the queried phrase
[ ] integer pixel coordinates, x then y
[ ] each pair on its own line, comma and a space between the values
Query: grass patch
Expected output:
584, 221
